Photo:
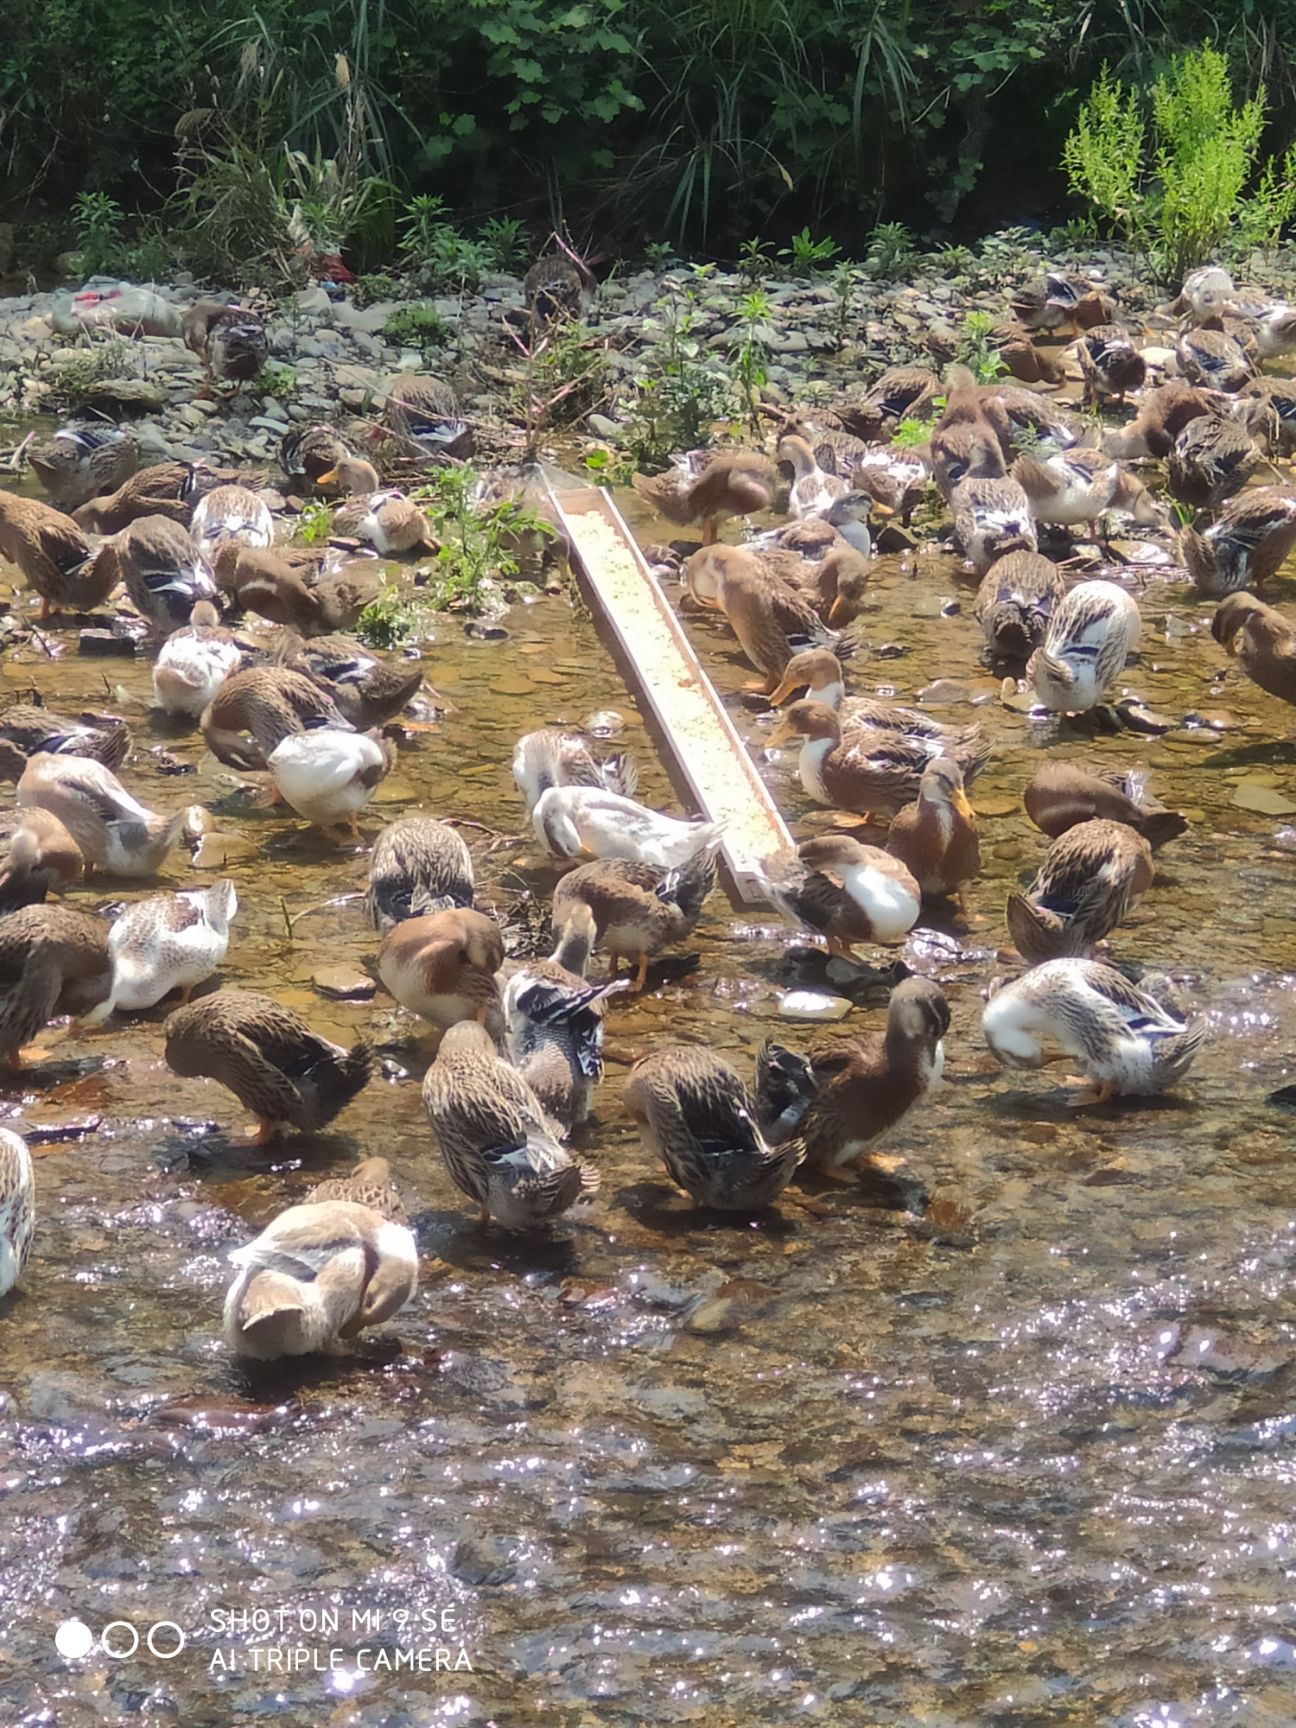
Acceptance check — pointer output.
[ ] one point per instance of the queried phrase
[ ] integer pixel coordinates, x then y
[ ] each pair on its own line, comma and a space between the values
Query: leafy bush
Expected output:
1178, 188
976, 349
891, 251
806, 255
680, 388
98, 220
420, 327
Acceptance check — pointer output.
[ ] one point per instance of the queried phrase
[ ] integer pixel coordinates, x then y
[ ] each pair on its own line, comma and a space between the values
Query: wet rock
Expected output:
110, 643
485, 1560
812, 1005
343, 984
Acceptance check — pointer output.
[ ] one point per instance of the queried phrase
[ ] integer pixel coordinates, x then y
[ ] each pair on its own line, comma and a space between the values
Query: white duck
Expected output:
329, 776
167, 942
587, 822
1122, 1038
194, 662
17, 1208
552, 757
1091, 634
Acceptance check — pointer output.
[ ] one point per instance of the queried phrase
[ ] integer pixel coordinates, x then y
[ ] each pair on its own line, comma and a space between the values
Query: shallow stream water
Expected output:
1004, 1436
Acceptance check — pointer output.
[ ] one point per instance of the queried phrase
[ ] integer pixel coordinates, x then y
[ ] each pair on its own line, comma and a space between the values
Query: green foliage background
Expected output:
699, 120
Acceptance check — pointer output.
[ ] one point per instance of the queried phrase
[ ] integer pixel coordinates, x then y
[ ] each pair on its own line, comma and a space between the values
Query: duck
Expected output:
819, 672
369, 1183
308, 594
1268, 329
422, 412
115, 832
418, 865
1263, 641
164, 489
866, 1087
167, 942
230, 513
770, 619
1015, 602
1048, 302
1162, 415
442, 966
586, 822
1059, 796
813, 490
1092, 877
268, 1057
83, 460
1110, 365
329, 775
1206, 293
229, 339
311, 451
31, 729
1212, 458
732, 483
558, 286
1278, 395
53, 961
367, 690
1121, 1037
694, 1112
1091, 634
56, 559
831, 577
253, 711
43, 859
1022, 415
165, 574
935, 837
497, 1143
900, 393
1250, 540
638, 909
1078, 487
872, 771
844, 891
317, 1276
991, 519
552, 757
1213, 359
387, 520
893, 477
194, 662
965, 448
554, 1022
17, 1208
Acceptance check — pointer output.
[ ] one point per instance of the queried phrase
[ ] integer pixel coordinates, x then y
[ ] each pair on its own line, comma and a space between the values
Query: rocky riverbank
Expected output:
113, 348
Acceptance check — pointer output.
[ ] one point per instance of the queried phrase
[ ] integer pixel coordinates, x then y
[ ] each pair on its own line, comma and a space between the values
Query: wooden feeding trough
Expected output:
707, 751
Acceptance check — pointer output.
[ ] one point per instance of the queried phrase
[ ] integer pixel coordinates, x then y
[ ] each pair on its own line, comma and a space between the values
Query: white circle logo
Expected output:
131, 1648
74, 1639
165, 1655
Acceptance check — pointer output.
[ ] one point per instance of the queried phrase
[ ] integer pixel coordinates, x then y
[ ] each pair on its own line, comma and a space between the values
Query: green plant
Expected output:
479, 542
420, 327
958, 263
1171, 176
806, 255
276, 380
891, 251
563, 376
680, 388
976, 348
910, 433
507, 242
97, 221
388, 620
751, 360
379, 285
75, 382
315, 524
755, 261
658, 256
844, 288
434, 251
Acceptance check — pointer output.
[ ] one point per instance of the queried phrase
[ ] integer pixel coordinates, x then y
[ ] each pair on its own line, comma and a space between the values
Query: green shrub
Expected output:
975, 348
1171, 175
680, 389
420, 327
806, 255
891, 251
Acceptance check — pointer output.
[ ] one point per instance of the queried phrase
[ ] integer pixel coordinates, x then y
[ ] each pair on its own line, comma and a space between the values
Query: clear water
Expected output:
1035, 1471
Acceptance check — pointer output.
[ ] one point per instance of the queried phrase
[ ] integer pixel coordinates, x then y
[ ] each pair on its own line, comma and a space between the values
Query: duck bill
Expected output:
329, 479
782, 733
781, 691
962, 804
836, 610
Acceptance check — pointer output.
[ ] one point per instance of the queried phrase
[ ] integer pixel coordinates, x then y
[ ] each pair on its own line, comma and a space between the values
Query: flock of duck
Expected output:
519, 1059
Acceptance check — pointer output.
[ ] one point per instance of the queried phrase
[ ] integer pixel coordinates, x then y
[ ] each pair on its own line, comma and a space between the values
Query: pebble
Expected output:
812, 1005
343, 983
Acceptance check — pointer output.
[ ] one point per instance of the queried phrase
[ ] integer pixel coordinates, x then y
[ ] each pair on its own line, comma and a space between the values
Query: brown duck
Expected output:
1061, 796
1263, 641
935, 837
55, 557
254, 711
732, 483
1090, 880
53, 961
